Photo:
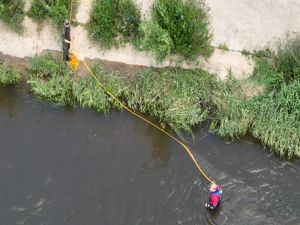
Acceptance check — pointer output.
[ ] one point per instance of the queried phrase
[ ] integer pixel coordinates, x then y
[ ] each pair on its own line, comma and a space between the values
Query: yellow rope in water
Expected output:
186, 148
147, 121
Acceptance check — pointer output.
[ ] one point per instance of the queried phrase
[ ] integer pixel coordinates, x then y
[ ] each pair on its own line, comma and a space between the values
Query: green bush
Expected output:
112, 18
129, 19
50, 79
103, 23
187, 24
12, 14
8, 75
156, 40
273, 117
177, 98
55, 10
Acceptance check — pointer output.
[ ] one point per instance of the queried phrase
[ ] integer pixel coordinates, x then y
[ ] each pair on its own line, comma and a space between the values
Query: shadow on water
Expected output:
71, 166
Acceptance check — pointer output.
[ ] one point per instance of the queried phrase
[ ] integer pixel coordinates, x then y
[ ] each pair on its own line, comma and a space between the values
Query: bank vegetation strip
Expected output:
182, 99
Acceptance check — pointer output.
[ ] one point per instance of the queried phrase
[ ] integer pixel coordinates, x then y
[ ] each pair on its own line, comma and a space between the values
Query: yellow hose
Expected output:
186, 148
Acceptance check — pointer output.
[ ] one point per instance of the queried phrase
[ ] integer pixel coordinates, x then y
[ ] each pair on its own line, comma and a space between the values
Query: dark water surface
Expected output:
62, 166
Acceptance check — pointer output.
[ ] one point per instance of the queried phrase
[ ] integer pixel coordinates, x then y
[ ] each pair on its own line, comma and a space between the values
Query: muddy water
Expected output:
62, 166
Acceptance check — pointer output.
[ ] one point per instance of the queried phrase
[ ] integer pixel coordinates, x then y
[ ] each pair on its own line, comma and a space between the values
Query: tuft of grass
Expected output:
87, 94
55, 10
50, 79
129, 20
246, 53
223, 47
12, 14
103, 24
187, 24
156, 40
8, 75
177, 98
112, 20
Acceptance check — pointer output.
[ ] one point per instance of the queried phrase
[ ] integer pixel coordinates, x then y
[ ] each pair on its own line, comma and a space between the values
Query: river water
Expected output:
68, 166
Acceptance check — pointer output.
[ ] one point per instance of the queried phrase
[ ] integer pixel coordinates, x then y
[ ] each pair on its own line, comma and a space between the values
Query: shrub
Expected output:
129, 19
112, 18
177, 98
12, 14
156, 40
50, 79
103, 24
187, 24
8, 75
272, 117
56, 10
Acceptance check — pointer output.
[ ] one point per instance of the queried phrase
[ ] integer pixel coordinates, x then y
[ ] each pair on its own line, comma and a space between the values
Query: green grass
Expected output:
51, 80
8, 75
156, 40
111, 19
55, 10
187, 24
181, 99
12, 14
177, 98
272, 117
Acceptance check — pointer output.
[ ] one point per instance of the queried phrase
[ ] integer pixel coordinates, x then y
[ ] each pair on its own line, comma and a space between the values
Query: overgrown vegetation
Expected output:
111, 19
51, 80
156, 40
12, 14
177, 98
182, 99
55, 10
273, 117
176, 27
8, 75
187, 24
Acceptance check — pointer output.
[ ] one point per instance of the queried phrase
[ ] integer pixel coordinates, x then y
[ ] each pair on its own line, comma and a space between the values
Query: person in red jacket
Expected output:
214, 196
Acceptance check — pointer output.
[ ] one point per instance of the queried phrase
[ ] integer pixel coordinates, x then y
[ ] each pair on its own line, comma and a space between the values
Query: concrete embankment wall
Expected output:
240, 24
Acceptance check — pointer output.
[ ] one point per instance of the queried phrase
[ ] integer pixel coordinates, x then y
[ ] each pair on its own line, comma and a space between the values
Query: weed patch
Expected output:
177, 98
56, 11
111, 20
187, 25
8, 75
273, 117
12, 14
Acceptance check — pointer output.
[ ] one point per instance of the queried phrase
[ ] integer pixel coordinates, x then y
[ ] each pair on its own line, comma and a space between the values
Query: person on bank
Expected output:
66, 40
215, 194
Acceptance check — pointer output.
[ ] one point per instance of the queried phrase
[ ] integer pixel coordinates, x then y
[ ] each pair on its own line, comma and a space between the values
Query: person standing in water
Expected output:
214, 197
66, 40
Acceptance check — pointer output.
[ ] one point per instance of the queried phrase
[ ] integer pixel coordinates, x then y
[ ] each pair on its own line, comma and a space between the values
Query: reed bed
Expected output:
51, 80
181, 99
272, 117
177, 98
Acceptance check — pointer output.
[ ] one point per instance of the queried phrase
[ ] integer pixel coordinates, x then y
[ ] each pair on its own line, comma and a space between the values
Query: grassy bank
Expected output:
51, 80
272, 117
265, 106
8, 75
